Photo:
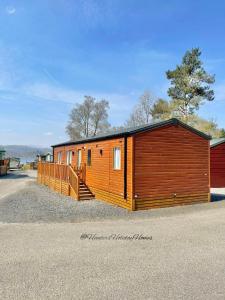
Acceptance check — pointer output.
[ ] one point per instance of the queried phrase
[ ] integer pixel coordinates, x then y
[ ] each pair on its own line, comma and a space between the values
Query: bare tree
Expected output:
88, 119
142, 113
100, 117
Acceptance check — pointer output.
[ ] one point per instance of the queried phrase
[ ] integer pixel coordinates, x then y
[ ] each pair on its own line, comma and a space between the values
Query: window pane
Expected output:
116, 159
69, 157
79, 158
89, 157
59, 157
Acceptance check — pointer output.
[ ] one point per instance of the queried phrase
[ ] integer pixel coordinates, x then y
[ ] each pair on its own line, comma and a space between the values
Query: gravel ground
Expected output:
15, 181
37, 203
42, 254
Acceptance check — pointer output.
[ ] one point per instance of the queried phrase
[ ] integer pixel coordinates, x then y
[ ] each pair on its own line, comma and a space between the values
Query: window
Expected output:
116, 158
69, 157
59, 157
79, 158
89, 157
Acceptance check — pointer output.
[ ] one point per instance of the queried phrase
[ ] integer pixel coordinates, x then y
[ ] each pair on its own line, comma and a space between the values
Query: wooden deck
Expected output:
63, 179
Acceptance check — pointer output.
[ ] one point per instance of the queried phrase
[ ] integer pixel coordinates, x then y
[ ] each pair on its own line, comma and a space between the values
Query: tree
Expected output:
161, 110
100, 116
142, 113
190, 85
209, 127
222, 133
88, 118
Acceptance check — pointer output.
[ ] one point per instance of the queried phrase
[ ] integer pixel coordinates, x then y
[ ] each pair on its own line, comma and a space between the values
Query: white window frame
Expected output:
79, 158
117, 158
59, 157
69, 157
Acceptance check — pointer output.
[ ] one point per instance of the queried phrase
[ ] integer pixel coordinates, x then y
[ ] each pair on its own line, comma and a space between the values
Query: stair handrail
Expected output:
74, 181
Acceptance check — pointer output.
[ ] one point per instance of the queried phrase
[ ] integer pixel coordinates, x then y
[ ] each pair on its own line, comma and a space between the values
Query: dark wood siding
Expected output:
171, 168
217, 165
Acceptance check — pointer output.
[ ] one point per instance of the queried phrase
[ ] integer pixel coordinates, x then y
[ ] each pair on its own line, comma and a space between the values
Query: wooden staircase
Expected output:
84, 192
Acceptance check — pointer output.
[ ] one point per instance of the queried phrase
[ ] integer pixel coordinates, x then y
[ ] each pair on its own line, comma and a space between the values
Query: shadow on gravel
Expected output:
12, 175
217, 197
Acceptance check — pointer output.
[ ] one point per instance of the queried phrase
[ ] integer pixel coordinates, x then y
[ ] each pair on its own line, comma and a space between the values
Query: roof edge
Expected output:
198, 132
218, 143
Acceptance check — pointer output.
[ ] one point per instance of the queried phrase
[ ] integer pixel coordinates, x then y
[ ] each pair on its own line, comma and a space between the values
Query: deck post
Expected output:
60, 176
49, 169
54, 178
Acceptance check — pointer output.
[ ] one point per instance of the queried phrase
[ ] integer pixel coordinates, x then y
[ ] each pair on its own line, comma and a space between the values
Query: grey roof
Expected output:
216, 142
134, 130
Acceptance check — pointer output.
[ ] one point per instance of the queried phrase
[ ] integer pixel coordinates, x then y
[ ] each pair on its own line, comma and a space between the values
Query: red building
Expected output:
217, 162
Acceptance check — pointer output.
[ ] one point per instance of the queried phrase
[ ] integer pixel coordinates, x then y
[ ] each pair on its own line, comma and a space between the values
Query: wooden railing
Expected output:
61, 178
74, 182
81, 171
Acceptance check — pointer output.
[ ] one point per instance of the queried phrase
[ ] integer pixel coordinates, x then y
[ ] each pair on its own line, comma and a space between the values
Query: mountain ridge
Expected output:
24, 152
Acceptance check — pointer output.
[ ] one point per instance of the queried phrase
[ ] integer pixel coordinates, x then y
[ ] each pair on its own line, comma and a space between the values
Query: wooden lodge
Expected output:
217, 162
3, 163
158, 165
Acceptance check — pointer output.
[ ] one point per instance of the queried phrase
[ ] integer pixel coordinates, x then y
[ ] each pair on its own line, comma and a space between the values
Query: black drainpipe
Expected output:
53, 154
125, 167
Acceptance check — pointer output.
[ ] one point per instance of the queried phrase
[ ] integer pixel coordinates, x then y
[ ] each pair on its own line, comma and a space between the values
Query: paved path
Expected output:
43, 256
15, 181
184, 260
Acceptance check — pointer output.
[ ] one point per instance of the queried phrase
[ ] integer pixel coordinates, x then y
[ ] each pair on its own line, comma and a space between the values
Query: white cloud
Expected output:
55, 93
120, 104
49, 133
10, 10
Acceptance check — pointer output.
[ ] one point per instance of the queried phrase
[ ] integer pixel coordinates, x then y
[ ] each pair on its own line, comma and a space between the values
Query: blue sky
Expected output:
53, 52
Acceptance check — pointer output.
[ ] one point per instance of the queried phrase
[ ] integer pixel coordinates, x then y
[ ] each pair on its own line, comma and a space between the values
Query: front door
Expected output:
79, 158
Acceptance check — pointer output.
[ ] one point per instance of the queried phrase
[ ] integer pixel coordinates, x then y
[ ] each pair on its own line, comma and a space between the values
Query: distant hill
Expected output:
25, 153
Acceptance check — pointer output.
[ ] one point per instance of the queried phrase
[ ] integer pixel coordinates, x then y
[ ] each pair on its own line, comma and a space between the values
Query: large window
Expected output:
79, 158
116, 158
89, 157
59, 158
69, 157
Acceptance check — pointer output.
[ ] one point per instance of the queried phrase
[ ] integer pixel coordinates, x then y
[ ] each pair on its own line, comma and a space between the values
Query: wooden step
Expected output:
85, 193
86, 197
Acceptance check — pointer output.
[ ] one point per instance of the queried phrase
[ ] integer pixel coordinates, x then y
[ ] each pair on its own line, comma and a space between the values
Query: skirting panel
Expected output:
141, 204
112, 198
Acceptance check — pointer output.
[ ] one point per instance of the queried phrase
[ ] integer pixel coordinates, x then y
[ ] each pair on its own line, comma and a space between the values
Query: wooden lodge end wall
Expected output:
217, 163
171, 168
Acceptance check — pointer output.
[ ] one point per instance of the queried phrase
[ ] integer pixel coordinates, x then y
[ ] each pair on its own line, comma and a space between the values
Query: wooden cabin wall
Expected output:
217, 165
105, 183
171, 168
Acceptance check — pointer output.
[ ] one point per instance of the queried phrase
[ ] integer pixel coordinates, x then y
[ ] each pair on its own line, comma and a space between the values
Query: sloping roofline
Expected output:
217, 142
132, 131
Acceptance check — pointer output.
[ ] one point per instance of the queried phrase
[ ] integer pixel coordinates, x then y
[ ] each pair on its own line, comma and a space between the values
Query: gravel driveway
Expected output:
37, 203
15, 181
